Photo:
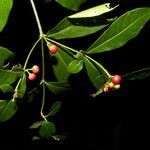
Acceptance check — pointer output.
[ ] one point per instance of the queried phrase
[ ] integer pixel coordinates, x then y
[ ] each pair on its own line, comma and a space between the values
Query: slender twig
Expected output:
16, 89
43, 80
37, 18
27, 59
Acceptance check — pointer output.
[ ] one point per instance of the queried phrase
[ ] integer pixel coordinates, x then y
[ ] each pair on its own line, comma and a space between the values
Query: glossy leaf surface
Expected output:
94, 11
121, 31
76, 28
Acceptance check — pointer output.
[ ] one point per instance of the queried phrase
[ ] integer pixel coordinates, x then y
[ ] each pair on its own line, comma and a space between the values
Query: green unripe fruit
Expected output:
117, 86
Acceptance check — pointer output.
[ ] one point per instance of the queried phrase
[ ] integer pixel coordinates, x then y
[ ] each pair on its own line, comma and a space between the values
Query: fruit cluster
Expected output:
113, 84
35, 70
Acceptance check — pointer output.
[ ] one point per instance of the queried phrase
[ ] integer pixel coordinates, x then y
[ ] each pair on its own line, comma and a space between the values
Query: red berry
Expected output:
53, 49
106, 88
35, 69
116, 79
32, 76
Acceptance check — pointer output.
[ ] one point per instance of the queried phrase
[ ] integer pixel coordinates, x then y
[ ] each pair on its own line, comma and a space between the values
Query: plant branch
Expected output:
43, 79
27, 59
37, 18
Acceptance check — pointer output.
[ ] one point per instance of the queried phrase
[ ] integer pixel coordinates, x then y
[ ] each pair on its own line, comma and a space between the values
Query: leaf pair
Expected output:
81, 24
123, 29
47, 129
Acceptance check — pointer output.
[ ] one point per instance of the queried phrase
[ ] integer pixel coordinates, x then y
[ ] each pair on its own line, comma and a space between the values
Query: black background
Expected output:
115, 121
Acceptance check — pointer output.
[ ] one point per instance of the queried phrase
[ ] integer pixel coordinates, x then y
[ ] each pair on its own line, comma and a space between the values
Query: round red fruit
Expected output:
35, 69
53, 49
116, 79
32, 76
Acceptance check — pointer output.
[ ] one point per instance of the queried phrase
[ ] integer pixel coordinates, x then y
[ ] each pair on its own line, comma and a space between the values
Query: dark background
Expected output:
115, 121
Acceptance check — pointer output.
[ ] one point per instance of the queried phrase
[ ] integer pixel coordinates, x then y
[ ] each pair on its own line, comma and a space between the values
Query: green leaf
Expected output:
36, 124
54, 109
121, 31
2, 104
60, 67
75, 28
48, 129
75, 66
5, 88
22, 87
96, 77
139, 74
57, 87
5, 8
94, 11
5, 54
71, 4
8, 76
8, 111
